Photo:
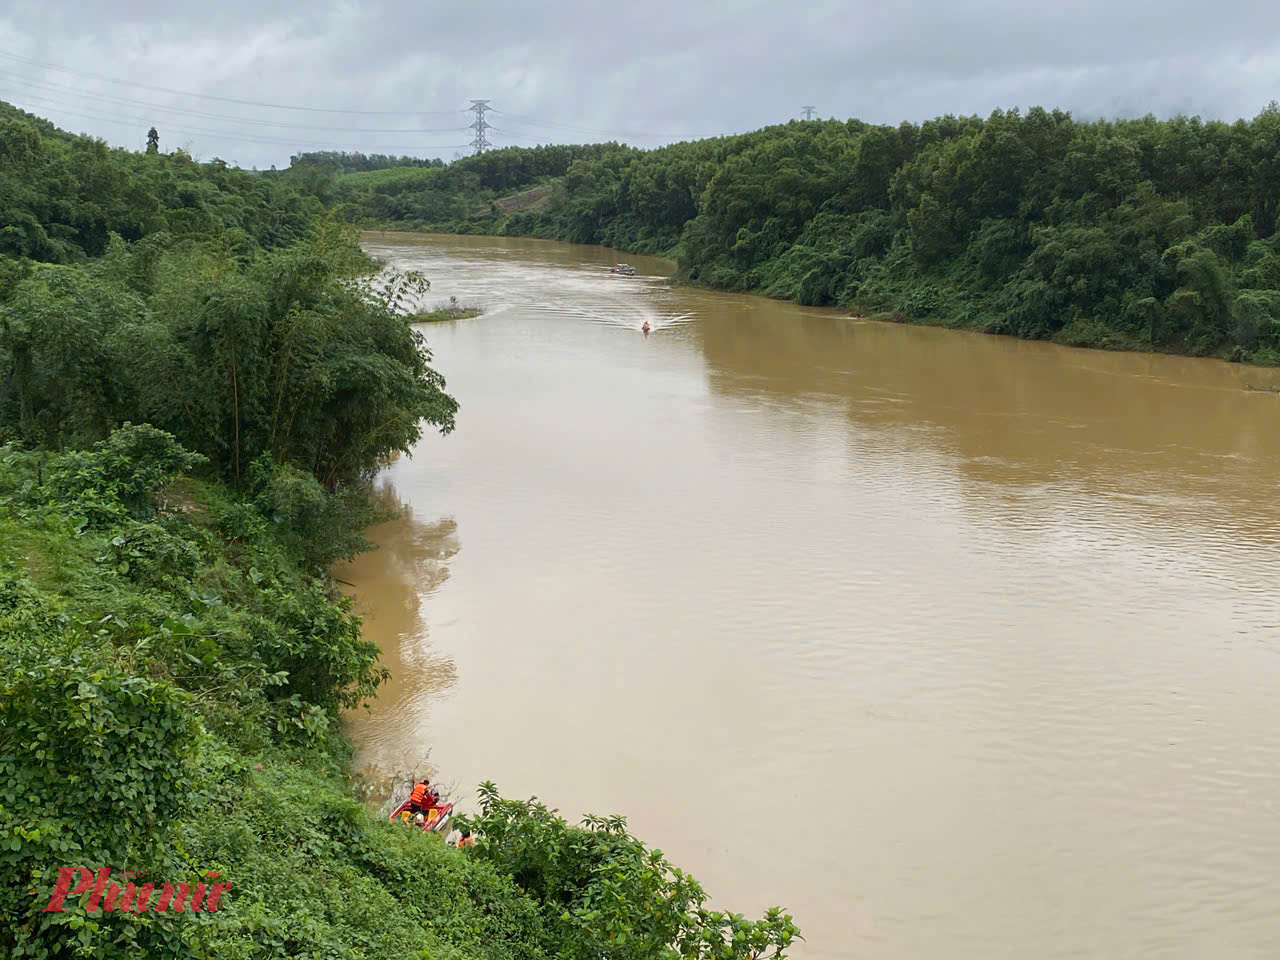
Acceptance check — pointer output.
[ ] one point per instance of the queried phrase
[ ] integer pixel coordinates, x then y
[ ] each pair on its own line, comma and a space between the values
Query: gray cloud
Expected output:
645, 73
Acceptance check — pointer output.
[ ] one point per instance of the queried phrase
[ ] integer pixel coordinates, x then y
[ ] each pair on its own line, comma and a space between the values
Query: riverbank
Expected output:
171, 647
1133, 234
1080, 334
173, 496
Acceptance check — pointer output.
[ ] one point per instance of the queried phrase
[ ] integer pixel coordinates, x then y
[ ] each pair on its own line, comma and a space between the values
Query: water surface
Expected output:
954, 645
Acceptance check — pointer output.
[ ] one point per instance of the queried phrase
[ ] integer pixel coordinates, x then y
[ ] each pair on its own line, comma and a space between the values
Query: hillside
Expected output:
46, 129
535, 200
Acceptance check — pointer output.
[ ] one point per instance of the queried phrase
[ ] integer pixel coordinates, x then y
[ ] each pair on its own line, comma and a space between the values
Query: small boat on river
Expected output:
434, 820
625, 269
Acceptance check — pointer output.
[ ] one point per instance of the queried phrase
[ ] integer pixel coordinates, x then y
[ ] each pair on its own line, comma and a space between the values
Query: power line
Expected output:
59, 104
529, 122
208, 96
519, 138
480, 108
274, 141
480, 126
46, 86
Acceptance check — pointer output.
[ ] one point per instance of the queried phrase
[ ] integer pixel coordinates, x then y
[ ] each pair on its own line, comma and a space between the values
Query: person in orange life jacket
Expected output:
466, 840
423, 797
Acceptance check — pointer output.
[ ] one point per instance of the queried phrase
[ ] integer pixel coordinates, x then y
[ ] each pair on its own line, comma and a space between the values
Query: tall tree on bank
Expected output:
153, 141
236, 353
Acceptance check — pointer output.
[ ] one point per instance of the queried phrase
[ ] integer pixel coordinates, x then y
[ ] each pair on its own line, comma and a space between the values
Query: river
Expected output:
955, 646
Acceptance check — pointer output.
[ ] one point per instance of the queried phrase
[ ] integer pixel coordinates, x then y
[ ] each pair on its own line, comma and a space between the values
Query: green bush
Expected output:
604, 894
95, 769
122, 476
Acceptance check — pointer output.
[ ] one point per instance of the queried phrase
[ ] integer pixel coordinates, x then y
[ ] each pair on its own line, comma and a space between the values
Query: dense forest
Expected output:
1143, 234
199, 372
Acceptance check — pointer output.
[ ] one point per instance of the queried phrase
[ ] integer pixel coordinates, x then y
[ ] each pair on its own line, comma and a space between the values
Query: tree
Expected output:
153, 141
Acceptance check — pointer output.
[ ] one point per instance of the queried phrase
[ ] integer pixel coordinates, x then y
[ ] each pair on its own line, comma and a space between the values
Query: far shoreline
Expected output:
862, 315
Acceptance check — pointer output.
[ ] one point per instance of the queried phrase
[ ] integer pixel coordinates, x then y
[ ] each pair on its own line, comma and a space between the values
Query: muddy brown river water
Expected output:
956, 646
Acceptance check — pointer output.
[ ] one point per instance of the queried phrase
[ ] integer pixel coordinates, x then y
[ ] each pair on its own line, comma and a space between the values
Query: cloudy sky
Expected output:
277, 78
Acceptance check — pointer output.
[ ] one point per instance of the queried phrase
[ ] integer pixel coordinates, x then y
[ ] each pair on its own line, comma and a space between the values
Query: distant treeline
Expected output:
342, 162
460, 197
1137, 233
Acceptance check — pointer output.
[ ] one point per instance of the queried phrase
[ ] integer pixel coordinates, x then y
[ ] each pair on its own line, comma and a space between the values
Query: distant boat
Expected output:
626, 269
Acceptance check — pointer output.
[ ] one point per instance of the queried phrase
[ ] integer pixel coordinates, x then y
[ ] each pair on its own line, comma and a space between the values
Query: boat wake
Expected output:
584, 293
626, 311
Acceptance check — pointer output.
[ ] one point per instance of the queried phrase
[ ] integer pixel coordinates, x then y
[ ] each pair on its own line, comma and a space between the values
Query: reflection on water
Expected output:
954, 645
389, 586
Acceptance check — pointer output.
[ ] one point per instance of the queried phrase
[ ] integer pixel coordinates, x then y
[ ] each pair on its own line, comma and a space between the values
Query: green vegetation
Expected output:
1142, 234
197, 380
62, 199
440, 314
343, 162
589, 881
453, 310
462, 197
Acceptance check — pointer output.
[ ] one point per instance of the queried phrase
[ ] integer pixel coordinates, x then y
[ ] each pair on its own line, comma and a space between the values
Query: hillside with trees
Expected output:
200, 371
1139, 234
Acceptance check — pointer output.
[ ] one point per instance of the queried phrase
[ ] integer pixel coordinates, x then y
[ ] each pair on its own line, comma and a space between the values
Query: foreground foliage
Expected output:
1136, 233
170, 700
602, 893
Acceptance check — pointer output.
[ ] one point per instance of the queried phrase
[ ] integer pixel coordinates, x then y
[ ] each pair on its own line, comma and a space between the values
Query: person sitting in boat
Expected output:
466, 840
423, 797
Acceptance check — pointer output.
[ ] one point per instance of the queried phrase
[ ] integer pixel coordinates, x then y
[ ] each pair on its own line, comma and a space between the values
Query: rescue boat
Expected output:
436, 817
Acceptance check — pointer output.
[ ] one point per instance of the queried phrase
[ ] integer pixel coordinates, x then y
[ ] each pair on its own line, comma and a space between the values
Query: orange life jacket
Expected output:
466, 841
420, 794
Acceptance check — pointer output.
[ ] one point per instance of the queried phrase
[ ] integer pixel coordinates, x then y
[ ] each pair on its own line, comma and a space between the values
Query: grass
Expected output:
453, 310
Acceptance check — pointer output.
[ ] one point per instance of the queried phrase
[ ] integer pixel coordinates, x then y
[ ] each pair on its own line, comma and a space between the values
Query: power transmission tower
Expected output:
808, 112
478, 107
